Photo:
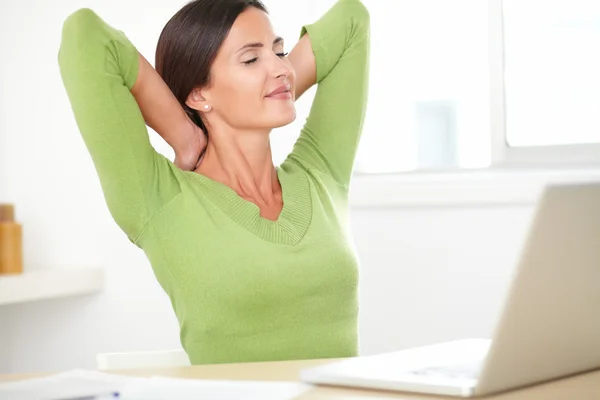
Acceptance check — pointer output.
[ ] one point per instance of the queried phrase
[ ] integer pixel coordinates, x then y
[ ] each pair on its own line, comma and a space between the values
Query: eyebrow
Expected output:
277, 40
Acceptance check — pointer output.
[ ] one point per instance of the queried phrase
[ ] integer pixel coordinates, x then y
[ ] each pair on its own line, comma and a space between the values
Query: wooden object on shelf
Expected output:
11, 242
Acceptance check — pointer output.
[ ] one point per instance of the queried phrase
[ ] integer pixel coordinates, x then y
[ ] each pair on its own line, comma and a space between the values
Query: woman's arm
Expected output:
340, 44
99, 66
163, 113
303, 60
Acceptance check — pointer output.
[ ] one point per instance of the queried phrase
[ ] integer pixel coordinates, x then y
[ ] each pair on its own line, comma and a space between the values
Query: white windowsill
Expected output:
475, 188
49, 284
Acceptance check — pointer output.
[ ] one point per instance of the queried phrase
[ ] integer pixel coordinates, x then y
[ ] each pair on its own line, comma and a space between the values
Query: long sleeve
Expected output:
99, 66
329, 140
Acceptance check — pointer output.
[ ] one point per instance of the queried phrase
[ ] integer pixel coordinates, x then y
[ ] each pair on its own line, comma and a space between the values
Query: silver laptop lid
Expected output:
550, 326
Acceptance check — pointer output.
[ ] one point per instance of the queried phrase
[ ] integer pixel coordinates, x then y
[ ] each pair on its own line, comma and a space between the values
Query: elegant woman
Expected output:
257, 259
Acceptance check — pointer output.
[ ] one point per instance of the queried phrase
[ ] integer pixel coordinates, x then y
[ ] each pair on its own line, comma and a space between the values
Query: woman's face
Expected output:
249, 67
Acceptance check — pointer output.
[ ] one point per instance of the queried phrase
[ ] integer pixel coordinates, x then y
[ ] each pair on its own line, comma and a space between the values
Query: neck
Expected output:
243, 161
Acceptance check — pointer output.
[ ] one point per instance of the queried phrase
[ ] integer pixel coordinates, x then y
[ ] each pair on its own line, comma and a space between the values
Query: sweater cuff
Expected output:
129, 59
318, 49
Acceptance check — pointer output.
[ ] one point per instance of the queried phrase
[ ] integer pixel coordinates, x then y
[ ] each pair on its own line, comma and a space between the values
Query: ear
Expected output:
197, 100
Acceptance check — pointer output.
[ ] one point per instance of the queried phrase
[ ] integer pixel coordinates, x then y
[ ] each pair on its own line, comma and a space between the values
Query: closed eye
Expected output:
253, 60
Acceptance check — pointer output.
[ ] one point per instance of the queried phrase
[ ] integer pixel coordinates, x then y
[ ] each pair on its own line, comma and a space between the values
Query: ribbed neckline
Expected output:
295, 216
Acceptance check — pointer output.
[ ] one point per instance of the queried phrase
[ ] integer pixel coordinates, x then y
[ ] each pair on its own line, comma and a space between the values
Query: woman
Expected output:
256, 259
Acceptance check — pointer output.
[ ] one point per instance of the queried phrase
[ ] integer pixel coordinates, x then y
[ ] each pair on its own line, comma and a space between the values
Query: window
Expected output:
472, 84
551, 81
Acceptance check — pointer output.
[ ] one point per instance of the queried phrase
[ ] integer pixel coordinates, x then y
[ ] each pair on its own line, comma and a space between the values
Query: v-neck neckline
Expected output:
293, 220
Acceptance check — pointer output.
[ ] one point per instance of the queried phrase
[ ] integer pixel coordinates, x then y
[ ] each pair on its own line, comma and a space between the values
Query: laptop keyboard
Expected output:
463, 371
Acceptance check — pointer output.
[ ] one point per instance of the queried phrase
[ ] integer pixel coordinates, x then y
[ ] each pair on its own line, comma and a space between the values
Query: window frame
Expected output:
503, 155
516, 177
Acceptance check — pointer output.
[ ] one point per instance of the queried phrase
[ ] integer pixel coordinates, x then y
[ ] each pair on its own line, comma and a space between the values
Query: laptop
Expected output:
549, 327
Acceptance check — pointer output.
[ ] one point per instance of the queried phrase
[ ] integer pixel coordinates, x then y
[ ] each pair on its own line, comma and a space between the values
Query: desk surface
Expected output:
578, 387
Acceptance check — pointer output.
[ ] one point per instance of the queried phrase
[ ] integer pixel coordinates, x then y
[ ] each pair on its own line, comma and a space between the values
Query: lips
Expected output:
280, 89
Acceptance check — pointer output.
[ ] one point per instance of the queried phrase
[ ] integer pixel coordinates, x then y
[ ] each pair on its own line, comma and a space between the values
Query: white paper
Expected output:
159, 388
66, 385
83, 383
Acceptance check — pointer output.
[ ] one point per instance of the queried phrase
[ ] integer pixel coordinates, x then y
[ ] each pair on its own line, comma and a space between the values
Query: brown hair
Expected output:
189, 42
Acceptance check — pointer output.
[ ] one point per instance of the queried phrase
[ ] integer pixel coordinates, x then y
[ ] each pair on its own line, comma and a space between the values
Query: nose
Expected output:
281, 69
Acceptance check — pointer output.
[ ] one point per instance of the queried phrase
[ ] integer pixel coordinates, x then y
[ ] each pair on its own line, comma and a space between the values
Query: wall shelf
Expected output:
49, 283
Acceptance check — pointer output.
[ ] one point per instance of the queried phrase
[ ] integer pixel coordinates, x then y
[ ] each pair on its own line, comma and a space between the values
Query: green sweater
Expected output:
244, 288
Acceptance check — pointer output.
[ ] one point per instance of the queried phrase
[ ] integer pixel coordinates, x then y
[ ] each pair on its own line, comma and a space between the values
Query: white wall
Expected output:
6, 345
434, 274
428, 273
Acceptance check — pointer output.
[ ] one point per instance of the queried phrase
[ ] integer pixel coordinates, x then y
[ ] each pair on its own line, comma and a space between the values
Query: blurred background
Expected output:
474, 106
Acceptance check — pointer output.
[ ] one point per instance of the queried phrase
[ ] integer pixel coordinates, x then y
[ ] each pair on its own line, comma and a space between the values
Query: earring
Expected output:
206, 107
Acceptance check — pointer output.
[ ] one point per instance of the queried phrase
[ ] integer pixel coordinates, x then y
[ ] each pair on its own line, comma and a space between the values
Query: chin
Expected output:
282, 118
